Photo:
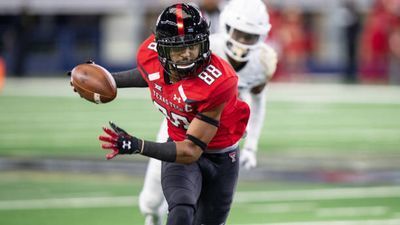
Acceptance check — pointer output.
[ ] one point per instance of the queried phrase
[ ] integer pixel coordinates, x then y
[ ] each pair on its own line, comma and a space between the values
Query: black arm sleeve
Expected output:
162, 151
129, 78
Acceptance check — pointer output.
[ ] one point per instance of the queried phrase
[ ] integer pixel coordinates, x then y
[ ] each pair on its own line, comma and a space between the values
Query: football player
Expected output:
245, 26
197, 93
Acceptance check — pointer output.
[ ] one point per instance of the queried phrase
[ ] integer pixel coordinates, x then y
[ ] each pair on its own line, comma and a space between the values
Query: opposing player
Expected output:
244, 25
197, 93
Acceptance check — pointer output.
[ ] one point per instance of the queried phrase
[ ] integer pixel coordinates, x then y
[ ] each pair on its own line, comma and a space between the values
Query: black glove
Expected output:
119, 141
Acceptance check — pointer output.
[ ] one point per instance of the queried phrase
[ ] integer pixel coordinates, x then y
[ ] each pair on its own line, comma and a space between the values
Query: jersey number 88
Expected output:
210, 74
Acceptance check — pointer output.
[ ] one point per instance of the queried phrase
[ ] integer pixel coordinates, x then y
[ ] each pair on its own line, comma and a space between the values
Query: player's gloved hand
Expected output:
248, 158
119, 141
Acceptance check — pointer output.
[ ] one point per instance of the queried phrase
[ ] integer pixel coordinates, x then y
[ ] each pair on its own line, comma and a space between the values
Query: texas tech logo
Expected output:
232, 155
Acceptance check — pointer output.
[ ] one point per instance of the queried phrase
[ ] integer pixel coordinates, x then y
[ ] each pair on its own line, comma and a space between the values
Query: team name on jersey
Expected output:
160, 97
175, 119
166, 101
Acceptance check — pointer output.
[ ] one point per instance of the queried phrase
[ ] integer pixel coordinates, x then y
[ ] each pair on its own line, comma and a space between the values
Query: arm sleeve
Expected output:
256, 122
222, 93
129, 78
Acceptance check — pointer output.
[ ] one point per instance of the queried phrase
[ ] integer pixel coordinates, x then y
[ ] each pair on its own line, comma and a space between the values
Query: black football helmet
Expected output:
182, 26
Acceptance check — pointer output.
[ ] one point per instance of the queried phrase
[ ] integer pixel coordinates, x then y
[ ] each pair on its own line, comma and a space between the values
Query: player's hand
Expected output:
119, 141
268, 59
248, 159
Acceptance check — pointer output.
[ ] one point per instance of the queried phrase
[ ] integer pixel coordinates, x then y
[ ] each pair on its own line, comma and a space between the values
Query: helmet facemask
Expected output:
239, 44
183, 56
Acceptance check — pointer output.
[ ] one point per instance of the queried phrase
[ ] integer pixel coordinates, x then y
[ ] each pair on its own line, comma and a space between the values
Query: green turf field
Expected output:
33, 198
43, 118
49, 122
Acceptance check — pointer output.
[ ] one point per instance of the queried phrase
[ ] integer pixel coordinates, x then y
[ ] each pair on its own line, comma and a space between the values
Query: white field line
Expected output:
352, 211
318, 194
303, 92
333, 93
286, 92
337, 212
85, 202
292, 207
240, 198
341, 222
277, 208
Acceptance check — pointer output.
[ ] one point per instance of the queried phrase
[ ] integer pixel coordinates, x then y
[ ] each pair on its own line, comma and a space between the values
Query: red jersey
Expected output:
182, 100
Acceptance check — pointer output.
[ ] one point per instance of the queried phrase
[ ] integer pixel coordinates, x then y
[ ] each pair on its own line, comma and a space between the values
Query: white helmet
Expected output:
249, 17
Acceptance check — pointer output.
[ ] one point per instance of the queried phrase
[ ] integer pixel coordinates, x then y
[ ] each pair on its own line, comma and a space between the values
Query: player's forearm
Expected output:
187, 152
256, 122
129, 78
163, 151
180, 152
200, 132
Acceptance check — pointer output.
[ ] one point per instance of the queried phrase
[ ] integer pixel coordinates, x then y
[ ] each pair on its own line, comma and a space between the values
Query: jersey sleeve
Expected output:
145, 57
222, 93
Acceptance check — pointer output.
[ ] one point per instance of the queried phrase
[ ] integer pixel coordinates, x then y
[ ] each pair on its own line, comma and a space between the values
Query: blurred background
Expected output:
355, 41
329, 153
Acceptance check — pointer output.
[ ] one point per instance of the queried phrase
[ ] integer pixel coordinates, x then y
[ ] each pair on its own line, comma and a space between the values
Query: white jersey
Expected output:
259, 69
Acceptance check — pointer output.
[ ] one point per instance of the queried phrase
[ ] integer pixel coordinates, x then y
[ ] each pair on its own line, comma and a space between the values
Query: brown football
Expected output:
94, 83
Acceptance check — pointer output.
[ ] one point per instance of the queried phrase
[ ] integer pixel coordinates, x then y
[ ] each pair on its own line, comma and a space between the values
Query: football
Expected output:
93, 83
